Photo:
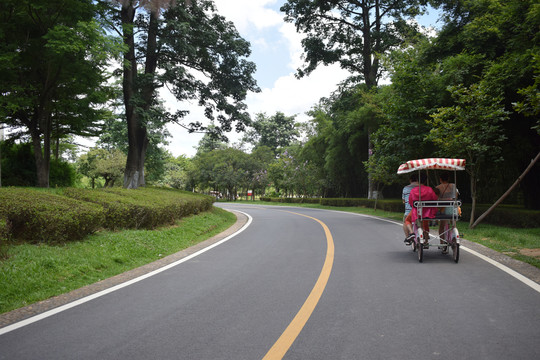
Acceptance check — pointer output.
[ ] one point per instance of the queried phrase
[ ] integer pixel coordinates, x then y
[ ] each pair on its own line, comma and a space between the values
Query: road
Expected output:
300, 284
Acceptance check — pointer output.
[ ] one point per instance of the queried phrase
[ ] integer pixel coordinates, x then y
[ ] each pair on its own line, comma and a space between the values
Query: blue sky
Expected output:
277, 52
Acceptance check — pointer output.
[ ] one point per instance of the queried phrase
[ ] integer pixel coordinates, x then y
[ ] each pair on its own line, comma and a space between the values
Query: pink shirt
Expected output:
427, 194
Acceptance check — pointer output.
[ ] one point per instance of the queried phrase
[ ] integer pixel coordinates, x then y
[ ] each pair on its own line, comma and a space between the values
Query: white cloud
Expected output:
265, 28
247, 13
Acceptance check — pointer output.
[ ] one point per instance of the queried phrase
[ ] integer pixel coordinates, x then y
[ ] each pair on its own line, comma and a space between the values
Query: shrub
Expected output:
45, 217
502, 215
144, 207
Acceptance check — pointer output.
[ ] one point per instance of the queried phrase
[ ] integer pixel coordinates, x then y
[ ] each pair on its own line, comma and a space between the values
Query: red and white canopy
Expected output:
432, 163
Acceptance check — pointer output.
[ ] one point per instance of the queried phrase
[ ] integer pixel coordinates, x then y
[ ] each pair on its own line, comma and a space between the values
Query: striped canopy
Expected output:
433, 163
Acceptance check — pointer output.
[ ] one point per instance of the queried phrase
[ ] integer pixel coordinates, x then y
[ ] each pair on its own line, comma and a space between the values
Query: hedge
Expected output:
503, 215
142, 208
39, 216
4, 234
70, 214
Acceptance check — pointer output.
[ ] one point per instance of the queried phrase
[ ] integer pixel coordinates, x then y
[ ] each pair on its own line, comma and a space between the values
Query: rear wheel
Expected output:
455, 250
420, 249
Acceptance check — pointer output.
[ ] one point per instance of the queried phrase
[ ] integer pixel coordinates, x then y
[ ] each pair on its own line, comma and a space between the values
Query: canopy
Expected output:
433, 163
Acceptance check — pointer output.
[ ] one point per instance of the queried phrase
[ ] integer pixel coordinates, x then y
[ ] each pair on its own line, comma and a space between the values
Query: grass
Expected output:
31, 273
509, 241
512, 242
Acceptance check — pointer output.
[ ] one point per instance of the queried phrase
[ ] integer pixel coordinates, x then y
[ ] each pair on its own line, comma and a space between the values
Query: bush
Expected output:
144, 207
504, 215
45, 217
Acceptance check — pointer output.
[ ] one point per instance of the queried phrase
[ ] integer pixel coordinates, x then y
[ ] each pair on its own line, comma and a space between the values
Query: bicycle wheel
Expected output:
420, 250
455, 250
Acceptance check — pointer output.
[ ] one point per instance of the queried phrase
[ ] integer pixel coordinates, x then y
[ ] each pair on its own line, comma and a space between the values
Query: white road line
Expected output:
505, 268
65, 307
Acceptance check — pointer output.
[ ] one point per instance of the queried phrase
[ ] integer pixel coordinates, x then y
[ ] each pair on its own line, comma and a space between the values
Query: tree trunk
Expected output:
501, 199
42, 156
473, 196
137, 134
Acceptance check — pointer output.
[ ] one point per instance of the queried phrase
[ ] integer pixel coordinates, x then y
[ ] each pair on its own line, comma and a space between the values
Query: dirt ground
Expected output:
530, 252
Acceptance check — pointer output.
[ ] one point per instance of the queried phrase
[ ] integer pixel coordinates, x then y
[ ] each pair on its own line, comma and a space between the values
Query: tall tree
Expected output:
52, 71
188, 47
353, 33
471, 129
276, 131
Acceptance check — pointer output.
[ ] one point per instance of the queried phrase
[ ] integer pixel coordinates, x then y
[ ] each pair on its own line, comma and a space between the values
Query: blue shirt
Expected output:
405, 196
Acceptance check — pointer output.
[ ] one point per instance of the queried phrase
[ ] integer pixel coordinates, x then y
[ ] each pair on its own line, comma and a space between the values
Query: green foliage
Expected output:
144, 208
228, 171
176, 172
275, 132
195, 52
71, 214
352, 33
62, 174
510, 216
38, 216
107, 164
31, 273
18, 165
471, 128
19, 168
53, 82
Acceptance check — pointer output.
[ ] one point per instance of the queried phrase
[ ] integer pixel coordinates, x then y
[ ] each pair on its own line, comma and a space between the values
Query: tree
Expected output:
497, 43
176, 172
470, 129
209, 142
107, 164
196, 53
221, 170
52, 71
114, 136
275, 132
354, 34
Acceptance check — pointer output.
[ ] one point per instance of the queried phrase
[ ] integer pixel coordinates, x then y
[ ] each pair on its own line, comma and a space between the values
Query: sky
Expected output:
276, 50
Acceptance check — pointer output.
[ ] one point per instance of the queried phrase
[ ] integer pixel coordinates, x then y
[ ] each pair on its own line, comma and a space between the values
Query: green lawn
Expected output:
30, 273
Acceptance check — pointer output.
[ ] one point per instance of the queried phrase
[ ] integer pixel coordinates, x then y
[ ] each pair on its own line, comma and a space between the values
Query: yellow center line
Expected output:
282, 345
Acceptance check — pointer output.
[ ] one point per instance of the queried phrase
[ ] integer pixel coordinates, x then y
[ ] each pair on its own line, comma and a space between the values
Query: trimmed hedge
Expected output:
144, 208
4, 234
34, 215
503, 215
41, 216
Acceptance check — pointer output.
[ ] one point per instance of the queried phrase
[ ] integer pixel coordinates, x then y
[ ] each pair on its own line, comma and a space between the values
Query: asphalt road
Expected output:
284, 285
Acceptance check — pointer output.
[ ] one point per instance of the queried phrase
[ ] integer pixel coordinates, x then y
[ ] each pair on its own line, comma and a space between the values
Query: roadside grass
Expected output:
520, 244
516, 243
31, 273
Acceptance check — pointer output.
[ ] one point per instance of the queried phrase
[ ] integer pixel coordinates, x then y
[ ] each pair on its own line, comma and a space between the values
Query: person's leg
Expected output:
407, 225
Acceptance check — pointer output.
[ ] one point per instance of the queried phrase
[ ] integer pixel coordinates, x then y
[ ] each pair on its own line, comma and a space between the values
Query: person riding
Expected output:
407, 227
424, 193
448, 192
